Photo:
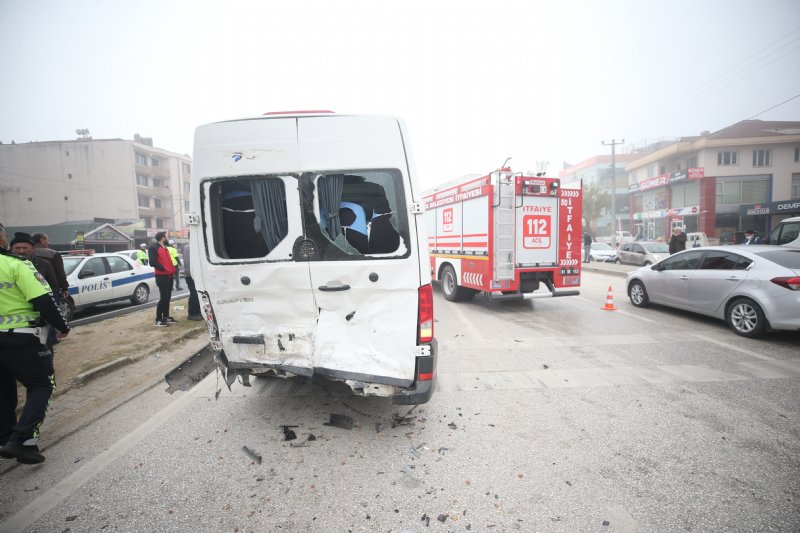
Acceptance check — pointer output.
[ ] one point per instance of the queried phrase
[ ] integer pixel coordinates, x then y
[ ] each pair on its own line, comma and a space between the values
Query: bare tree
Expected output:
595, 201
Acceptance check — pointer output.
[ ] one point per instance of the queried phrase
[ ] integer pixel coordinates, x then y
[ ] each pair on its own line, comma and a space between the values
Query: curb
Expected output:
93, 373
610, 272
84, 377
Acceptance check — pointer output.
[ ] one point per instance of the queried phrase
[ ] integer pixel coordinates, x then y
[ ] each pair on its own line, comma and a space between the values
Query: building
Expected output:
745, 176
44, 183
596, 172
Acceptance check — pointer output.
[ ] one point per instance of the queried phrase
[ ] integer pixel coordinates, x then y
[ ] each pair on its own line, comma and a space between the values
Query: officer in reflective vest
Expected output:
26, 306
141, 254
176, 261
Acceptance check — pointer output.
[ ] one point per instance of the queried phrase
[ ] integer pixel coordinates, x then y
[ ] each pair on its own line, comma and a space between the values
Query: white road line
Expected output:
476, 332
25, 517
732, 347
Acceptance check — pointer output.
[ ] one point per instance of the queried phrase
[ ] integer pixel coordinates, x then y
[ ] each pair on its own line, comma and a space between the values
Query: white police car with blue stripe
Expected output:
97, 278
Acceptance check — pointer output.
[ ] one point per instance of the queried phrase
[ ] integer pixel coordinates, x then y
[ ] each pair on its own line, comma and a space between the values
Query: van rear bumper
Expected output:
408, 392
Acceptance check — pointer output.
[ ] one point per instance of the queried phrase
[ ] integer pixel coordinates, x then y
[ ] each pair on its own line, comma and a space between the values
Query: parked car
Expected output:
603, 252
786, 233
97, 278
753, 288
696, 239
642, 253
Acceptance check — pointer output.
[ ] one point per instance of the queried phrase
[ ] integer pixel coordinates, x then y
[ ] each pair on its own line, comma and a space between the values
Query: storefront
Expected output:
762, 217
670, 200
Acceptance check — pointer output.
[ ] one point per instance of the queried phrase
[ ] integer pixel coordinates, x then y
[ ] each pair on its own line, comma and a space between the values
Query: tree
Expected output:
594, 202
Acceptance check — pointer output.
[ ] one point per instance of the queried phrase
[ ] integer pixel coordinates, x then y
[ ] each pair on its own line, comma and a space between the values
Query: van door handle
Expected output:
333, 286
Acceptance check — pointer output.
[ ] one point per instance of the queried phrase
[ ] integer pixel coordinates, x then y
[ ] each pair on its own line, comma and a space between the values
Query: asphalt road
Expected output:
549, 415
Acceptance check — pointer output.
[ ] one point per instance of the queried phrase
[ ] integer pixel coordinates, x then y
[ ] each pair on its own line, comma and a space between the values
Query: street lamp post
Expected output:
613, 145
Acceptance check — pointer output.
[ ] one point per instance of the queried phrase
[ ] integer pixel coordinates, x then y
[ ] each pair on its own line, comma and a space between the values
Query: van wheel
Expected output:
746, 318
140, 295
638, 294
452, 291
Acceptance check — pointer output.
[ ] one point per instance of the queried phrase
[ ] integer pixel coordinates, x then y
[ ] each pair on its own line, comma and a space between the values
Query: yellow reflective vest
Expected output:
19, 283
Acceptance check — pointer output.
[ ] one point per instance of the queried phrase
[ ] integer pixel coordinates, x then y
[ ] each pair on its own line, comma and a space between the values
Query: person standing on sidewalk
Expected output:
194, 301
176, 262
587, 247
161, 261
26, 305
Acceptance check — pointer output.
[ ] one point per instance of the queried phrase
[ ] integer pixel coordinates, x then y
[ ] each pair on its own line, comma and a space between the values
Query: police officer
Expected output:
176, 261
25, 304
141, 254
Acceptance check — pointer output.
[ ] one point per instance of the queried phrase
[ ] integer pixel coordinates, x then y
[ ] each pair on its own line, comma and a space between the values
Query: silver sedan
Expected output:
753, 288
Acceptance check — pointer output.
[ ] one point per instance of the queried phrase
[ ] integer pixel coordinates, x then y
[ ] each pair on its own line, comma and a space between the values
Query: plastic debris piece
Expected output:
253, 455
452, 425
288, 434
442, 450
442, 518
340, 421
378, 427
311, 437
31, 490
71, 518
545, 367
606, 523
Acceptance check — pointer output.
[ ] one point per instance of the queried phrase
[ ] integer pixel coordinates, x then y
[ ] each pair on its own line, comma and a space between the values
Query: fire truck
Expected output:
505, 234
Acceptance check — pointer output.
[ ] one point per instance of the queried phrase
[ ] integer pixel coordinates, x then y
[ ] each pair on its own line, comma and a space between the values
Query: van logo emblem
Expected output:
237, 157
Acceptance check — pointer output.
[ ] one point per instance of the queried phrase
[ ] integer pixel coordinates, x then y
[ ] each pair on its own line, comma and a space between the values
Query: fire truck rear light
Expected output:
425, 314
793, 284
426, 377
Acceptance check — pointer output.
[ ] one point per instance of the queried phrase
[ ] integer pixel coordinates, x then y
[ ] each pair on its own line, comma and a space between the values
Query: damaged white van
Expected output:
309, 254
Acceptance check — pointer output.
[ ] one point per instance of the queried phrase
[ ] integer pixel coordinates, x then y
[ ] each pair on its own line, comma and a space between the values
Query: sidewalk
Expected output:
612, 269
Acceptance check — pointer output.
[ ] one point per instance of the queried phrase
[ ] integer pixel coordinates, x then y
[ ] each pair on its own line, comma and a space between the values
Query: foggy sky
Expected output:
476, 82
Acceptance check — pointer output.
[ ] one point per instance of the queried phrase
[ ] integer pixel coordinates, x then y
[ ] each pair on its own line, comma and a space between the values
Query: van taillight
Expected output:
425, 315
793, 284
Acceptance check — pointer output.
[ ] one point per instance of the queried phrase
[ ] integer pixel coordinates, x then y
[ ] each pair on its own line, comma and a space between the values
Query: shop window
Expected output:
249, 216
795, 186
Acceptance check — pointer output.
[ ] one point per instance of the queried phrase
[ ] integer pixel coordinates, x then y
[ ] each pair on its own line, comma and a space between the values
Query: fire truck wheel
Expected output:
451, 289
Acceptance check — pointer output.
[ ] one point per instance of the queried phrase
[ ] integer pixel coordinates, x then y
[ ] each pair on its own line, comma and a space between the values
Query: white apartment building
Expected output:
745, 176
44, 183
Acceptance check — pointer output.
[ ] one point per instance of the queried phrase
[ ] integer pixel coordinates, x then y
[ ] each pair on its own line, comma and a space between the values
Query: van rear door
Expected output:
251, 218
366, 278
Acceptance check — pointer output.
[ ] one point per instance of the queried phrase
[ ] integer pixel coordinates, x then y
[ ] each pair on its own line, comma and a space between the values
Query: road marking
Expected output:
732, 347
467, 322
613, 376
25, 517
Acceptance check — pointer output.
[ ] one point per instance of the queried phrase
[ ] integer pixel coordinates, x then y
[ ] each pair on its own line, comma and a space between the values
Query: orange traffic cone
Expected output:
609, 301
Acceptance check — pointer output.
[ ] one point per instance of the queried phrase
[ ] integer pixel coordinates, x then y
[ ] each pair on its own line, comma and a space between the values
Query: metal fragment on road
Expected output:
340, 421
253, 455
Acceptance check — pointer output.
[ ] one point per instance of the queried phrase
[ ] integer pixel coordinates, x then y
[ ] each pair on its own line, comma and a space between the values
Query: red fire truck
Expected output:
504, 233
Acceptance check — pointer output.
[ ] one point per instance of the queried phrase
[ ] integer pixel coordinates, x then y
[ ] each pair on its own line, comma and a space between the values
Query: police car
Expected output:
98, 278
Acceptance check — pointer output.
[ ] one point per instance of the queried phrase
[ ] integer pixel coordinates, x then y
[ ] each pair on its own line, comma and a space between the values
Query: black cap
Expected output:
21, 237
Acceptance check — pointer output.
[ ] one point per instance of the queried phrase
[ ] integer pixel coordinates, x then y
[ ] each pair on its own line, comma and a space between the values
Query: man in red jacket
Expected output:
161, 261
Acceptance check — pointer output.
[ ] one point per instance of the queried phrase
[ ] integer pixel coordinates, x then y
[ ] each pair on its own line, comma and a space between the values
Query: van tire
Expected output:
452, 291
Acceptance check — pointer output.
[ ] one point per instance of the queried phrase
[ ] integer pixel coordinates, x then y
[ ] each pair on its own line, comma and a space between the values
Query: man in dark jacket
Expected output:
677, 243
161, 261
54, 258
587, 247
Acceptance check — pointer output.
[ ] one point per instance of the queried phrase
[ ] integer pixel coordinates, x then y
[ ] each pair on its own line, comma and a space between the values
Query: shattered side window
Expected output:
249, 216
363, 212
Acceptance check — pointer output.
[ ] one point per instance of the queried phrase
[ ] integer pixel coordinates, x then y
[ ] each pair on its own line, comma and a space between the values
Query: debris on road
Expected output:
288, 434
452, 425
253, 455
340, 421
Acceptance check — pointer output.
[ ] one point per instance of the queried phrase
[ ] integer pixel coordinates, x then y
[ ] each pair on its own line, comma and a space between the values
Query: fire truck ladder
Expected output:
504, 227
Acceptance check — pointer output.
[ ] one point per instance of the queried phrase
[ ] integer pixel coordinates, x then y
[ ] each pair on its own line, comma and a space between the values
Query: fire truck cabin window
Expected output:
360, 211
249, 216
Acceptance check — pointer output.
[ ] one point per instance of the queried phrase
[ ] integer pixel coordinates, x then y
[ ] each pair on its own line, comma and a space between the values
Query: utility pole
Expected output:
613, 145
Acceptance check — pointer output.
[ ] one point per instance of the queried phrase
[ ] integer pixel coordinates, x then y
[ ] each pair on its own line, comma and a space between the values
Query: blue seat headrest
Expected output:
360, 222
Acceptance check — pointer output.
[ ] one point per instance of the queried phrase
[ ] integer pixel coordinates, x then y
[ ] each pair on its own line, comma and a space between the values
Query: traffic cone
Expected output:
609, 301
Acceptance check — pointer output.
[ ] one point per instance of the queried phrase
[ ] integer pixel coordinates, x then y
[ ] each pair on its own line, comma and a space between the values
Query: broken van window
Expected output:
249, 216
360, 211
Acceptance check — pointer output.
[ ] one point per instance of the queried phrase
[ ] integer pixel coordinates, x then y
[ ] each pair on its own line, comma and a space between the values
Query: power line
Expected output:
773, 107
